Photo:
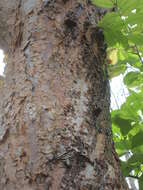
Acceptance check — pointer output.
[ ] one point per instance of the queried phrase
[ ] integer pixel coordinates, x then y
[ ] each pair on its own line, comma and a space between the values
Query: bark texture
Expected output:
55, 130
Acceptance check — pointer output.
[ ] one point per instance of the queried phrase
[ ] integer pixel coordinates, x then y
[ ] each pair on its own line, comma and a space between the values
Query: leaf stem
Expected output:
137, 50
138, 53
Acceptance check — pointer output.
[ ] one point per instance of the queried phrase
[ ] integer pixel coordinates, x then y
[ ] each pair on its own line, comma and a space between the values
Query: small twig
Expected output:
137, 50
138, 53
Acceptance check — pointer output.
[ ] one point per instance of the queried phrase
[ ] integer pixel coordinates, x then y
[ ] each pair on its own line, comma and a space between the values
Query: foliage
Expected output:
123, 30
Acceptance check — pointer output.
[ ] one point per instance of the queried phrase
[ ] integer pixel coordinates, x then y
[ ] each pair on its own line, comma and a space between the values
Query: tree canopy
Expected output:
123, 30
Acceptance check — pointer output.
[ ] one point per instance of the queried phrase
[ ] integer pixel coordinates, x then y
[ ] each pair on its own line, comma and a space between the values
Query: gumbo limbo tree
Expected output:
55, 129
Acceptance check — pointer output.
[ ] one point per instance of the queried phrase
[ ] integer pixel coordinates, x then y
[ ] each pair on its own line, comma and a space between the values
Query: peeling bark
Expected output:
55, 123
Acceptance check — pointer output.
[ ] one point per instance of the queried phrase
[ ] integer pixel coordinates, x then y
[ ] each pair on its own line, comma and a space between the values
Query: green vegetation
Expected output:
123, 29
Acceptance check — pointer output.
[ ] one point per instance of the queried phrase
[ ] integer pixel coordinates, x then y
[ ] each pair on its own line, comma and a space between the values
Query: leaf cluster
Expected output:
123, 31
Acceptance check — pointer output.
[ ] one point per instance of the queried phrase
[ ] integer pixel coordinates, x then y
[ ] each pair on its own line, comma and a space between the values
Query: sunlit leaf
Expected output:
136, 38
126, 6
115, 70
133, 79
103, 3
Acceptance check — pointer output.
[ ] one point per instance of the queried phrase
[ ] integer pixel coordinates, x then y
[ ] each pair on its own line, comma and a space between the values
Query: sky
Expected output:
119, 92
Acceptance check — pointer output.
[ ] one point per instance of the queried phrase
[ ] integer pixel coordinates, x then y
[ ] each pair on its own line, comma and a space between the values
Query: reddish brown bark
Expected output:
55, 126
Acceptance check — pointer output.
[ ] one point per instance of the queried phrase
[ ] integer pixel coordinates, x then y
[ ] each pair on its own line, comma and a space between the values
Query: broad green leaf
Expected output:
112, 27
136, 38
137, 65
103, 3
127, 168
136, 128
133, 79
136, 158
134, 18
133, 103
131, 58
138, 149
126, 6
122, 147
115, 36
141, 182
112, 21
123, 123
137, 140
115, 70
116, 131
132, 163
127, 112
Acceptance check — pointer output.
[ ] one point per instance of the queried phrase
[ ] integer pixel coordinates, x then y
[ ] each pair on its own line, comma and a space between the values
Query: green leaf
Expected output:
114, 36
141, 182
123, 33
122, 147
136, 158
133, 79
138, 149
115, 70
136, 128
122, 122
126, 6
133, 163
134, 18
131, 58
136, 38
111, 20
112, 27
137, 139
103, 3
133, 104
127, 168
137, 65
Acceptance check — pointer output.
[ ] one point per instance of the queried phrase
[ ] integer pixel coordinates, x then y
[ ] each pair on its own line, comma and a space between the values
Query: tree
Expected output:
55, 124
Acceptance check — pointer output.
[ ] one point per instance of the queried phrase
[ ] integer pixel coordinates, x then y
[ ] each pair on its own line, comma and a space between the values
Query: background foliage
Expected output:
123, 30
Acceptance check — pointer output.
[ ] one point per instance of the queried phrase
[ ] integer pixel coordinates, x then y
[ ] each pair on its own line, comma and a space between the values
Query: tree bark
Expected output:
55, 129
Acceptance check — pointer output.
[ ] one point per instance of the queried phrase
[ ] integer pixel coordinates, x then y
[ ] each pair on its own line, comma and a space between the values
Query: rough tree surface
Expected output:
55, 130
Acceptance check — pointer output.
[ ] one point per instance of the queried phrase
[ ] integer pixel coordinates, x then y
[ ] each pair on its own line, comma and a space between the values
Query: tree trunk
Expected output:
55, 129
